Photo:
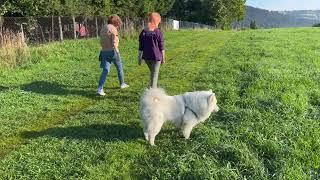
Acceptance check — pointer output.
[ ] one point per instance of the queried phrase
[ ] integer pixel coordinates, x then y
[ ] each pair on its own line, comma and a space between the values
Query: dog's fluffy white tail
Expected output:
152, 96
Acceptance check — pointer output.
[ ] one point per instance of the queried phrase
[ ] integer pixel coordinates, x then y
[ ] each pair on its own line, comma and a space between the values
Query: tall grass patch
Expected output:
14, 51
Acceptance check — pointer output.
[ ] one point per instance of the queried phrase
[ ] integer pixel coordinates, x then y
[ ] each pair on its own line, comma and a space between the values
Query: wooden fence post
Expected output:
42, 34
97, 27
74, 27
1, 22
86, 26
60, 29
52, 28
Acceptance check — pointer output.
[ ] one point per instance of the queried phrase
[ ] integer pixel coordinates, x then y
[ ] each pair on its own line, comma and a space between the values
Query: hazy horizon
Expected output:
285, 5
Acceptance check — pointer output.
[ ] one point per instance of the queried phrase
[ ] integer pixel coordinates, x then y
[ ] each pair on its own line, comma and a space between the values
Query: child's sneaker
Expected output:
124, 85
101, 93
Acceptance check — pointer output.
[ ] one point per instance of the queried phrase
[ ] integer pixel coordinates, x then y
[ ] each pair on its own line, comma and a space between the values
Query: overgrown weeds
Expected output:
14, 51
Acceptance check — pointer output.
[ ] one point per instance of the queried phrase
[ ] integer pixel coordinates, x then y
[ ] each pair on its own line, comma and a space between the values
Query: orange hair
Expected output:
154, 20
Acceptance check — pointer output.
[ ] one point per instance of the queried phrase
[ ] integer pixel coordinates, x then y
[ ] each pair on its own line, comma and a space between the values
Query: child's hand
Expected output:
139, 61
163, 57
140, 58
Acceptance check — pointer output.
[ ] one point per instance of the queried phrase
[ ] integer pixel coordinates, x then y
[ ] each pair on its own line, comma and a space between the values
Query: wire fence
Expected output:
54, 28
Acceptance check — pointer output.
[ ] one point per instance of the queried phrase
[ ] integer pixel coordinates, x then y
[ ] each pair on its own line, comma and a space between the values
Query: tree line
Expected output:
220, 13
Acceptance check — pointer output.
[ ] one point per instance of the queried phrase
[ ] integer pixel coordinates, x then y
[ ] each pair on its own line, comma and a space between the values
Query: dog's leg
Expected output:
187, 128
189, 121
145, 131
151, 139
146, 136
154, 130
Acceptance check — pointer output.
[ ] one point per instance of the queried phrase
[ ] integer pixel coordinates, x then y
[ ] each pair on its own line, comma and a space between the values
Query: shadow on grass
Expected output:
124, 97
105, 132
3, 88
53, 88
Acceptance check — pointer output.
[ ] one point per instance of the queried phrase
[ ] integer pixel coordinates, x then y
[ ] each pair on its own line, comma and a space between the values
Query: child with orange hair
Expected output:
151, 47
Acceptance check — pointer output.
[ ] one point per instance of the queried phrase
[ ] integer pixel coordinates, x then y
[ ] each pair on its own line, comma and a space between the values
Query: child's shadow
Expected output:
105, 132
54, 88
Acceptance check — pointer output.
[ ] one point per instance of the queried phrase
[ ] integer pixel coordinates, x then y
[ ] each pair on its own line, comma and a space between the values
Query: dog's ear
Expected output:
211, 98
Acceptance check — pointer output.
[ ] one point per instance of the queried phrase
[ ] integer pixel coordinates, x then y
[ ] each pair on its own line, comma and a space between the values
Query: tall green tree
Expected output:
220, 13
32, 7
101, 7
163, 6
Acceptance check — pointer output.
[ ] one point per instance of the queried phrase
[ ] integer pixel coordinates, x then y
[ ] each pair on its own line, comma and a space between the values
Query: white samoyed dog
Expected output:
185, 111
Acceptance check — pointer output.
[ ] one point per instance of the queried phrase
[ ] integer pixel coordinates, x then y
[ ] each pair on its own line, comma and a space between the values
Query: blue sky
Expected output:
285, 4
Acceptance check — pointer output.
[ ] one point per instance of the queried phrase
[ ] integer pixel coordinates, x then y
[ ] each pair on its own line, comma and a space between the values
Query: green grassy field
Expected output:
53, 126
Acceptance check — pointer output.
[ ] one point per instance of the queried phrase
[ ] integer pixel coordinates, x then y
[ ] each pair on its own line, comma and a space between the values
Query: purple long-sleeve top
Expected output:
151, 43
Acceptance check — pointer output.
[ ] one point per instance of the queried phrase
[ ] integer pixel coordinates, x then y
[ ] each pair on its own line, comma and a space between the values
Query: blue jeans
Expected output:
106, 58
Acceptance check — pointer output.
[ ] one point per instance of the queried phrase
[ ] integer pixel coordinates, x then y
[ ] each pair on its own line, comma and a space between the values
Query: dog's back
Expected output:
151, 96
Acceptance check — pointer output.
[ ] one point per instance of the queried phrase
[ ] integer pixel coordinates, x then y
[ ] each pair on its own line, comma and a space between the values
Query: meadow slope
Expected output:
53, 126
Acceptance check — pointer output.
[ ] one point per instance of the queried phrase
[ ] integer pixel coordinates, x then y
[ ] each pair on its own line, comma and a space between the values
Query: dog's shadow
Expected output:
105, 132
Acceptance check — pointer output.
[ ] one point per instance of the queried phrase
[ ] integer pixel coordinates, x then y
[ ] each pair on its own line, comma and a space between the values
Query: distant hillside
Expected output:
305, 14
277, 19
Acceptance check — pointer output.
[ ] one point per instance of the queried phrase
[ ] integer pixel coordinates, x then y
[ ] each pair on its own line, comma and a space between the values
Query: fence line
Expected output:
54, 28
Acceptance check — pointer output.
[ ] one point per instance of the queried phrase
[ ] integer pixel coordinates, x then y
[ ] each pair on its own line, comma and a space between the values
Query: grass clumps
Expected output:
14, 51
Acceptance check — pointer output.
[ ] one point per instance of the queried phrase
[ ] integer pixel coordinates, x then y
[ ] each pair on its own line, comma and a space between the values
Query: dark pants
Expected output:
154, 67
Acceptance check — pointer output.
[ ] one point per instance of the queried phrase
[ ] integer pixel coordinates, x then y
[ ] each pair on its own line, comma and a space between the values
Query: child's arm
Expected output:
140, 57
140, 48
163, 56
161, 46
115, 38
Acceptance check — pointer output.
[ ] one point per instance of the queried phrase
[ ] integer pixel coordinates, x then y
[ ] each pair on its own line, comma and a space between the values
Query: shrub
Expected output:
316, 25
253, 25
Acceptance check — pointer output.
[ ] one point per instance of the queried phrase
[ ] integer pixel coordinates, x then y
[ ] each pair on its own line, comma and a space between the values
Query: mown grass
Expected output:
267, 83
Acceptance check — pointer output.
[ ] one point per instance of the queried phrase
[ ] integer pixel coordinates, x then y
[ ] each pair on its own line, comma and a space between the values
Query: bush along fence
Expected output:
47, 29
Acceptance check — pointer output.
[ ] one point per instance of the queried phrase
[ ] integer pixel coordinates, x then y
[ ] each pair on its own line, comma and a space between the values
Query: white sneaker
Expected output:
124, 85
101, 93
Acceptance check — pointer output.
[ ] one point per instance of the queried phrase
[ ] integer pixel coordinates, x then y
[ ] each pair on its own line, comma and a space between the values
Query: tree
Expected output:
221, 13
126, 8
6, 7
316, 25
163, 6
253, 25
101, 7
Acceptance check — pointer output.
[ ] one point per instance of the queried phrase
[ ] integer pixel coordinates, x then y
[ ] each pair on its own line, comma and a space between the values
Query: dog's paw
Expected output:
186, 135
